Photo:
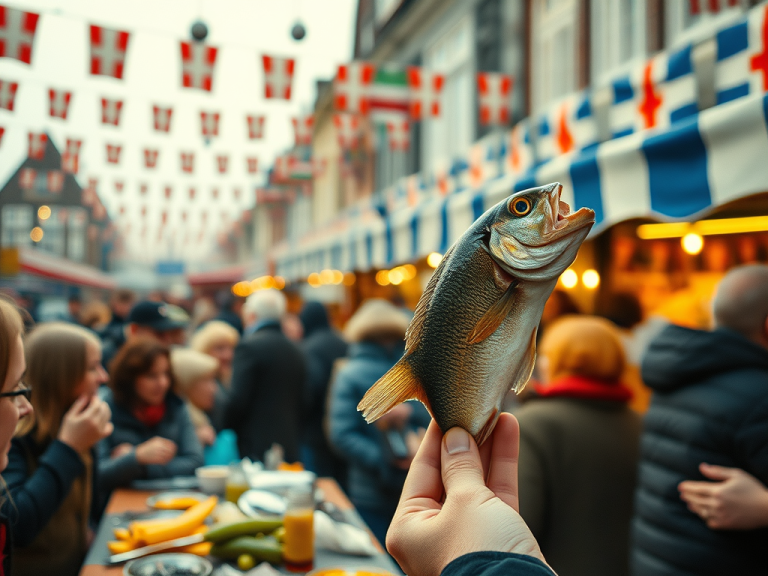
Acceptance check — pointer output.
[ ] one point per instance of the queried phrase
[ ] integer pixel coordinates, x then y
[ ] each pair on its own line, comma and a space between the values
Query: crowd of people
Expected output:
582, 479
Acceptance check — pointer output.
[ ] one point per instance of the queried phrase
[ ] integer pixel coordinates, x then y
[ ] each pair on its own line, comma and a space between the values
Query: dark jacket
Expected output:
322, 346
175, 425
264, 406
578, 461
496, 564
710, 404
51, 507
6, 547
374, 483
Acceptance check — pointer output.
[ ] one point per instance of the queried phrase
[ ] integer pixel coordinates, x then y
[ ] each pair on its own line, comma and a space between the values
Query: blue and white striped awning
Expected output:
675, 173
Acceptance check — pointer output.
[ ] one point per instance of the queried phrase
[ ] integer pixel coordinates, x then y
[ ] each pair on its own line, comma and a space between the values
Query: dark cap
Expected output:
158, 316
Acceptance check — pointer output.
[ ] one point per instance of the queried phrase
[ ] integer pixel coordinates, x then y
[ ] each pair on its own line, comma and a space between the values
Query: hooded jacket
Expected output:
710, 404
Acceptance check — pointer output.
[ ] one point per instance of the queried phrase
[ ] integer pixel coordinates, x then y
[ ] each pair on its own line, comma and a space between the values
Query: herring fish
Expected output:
473, 335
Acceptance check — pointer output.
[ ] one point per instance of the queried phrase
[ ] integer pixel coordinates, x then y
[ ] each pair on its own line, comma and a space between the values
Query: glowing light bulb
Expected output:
36, 234
434, 259
382, 277
692, 243
569, 278
44, 212
590, 279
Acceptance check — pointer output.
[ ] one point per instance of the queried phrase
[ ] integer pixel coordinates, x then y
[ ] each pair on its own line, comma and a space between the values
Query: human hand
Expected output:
156, 450
396, 418
121, 450
206, 435
448, 508
86, 422
739, 501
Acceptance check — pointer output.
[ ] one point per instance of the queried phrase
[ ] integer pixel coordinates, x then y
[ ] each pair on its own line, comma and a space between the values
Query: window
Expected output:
76, 244
682, 26
54, 231
17, 224
554, 51
618, 36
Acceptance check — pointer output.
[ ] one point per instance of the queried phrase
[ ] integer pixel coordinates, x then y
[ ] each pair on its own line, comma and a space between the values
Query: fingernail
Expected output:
456, 440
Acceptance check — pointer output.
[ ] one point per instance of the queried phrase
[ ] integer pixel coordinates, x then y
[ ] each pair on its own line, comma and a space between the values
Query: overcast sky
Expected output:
242, 30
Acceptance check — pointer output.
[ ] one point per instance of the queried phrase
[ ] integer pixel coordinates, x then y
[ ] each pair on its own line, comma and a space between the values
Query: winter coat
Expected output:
264, 405
374, 482
176, 425
496, 564
51, 506
579, 445
710, 404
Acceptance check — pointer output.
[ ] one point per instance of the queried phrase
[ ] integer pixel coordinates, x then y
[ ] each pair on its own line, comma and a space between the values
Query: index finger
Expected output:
502, 478
424, 478
696, 488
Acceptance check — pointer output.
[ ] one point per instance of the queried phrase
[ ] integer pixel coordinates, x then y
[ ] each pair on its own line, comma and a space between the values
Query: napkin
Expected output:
342, 537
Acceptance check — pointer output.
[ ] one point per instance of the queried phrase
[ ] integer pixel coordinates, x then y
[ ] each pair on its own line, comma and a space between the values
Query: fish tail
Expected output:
396, 386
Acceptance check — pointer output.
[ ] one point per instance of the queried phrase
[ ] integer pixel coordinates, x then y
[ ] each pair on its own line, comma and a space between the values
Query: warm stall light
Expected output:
396, 276
703, 228
349, 279
278, 282
590, 279
242, 289
434, 259
44, 212
569, 278
326, 277
338, 277
314, 280
408, 271
36, 234
382, 277
692, 243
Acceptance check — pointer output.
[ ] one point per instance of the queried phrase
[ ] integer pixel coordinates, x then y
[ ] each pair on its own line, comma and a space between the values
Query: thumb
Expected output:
461, 466
77, 406
717, 472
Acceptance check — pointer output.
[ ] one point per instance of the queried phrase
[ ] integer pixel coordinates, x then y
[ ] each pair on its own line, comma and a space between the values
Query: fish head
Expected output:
533, 236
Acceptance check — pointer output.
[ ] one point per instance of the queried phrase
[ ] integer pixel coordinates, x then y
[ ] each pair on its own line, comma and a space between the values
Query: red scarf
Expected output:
587, 388
150, 415
3, 537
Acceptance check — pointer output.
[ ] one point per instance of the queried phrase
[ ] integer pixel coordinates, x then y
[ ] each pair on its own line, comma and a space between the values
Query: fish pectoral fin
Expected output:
396, 386
493, 318
526, 368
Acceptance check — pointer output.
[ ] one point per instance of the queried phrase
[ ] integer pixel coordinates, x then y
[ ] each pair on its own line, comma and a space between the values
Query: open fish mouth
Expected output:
563, 218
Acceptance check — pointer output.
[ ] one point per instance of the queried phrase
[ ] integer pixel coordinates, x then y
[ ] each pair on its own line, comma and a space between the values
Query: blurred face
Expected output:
174, 337
13, 408
202, 393
122, 309
152, 387
223, 352
95, 375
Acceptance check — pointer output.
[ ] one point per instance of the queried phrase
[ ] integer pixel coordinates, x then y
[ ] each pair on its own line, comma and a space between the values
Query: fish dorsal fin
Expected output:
415, 328
494, 316
526, 368
396, 386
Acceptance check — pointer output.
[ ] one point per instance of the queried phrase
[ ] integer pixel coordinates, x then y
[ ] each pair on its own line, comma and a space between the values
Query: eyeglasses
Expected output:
21, 390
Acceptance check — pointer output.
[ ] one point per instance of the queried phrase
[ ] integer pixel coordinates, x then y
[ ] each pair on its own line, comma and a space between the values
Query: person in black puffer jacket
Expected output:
710, 404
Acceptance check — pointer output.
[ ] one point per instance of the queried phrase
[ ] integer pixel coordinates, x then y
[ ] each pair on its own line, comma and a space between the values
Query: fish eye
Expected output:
520, 206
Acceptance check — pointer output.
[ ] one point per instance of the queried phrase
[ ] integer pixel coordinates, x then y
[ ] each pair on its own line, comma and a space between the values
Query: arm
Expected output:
37, 497
189, 454
496, 564
244, 370
120, 471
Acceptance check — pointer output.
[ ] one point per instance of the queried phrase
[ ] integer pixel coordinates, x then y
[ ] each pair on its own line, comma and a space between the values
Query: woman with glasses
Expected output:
154, 436
51, 469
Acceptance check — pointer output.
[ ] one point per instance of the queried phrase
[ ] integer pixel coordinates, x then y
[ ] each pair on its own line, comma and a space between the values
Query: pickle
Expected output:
243, 528
262, 549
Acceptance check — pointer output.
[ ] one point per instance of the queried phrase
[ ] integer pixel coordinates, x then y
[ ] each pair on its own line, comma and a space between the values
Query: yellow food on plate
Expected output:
122, 534
120, 546
145, 533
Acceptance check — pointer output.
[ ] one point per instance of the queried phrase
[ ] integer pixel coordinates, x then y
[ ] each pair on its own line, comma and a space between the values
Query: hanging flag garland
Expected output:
37, 142
495, 90
347, 130
215, 193
162, 118
188, 162
143, 189
426, 88
197, 63
278, 76
2, 131
90, 194
113, 153
70, 159
119, 186
399, 134
27, 177
302, 129
8, 94
150, 157
222, 163
17, 33
255, 126
108, 51
713, 6
55, 181
252, 164
110, 111
210, 124
191, 193
59, 103
351, 86
168, 191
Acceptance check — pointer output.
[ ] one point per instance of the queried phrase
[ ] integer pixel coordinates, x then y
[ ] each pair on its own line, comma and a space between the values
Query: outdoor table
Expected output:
126, 500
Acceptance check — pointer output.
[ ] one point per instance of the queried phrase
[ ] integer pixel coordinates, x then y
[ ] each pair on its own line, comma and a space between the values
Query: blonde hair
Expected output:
583, 346
95, 314
56, 364
213, 334
190, 366
11, 327
377, 319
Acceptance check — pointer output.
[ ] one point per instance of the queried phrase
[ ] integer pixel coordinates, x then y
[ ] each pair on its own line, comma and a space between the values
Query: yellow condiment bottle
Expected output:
299, 544
236, 485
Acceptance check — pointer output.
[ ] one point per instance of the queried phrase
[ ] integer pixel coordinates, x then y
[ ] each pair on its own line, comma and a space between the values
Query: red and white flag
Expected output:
255, 127
162, 118
143, 189
55, 181
222, 162
110, 111
210, 123
215, 193
347, 130
168, 191
37, 142
150, 157
191, 193
8, 94
108, 50
188, 162
399, 134
27, 178
59, 103
302, 129
426, 88
352, 86
89, 192
113, 153
119, 186
282, 168
2, 131
495, 90
253, 164
197, 64
70, 159
17, 33
278, 76
712, 6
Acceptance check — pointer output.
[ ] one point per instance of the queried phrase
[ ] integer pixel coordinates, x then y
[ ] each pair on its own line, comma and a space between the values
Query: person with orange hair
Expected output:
579, 444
